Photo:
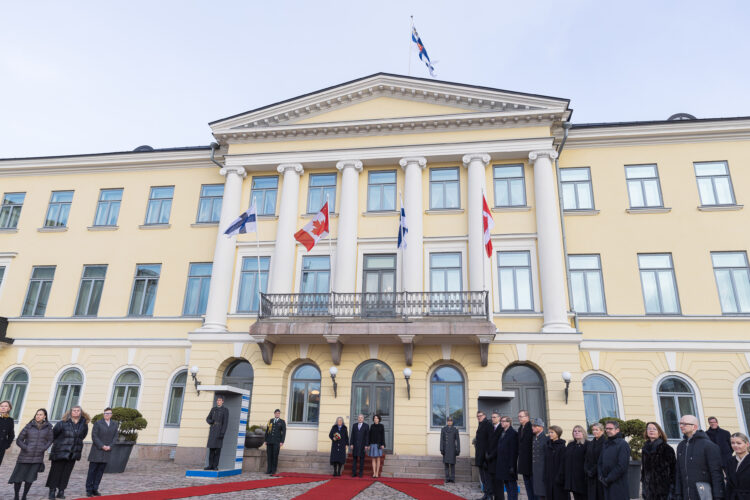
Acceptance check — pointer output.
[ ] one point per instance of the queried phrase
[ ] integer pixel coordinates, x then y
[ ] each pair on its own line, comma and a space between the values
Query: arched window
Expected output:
125, 392
599, 398
67, 393
304, 397
176, 397
676, 399
14, 390
239, 374
447, 391
744, 401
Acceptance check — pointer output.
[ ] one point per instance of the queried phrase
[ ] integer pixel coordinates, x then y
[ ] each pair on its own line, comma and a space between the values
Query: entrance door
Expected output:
379, 298
372, 394
528, 386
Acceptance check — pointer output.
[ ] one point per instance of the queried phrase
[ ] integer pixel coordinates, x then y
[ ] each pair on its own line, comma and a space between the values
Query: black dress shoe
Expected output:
60, 493
96, 493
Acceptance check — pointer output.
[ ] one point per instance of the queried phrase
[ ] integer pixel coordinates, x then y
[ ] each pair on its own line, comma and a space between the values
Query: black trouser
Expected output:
579, 496
489, 488
450, 472
337, 468
59, 473
361, 464
94, 477
272, 457
484, 476
213, 458
528, 483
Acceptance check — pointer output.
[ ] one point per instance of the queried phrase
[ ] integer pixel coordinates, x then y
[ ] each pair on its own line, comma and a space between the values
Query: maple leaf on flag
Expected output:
318, 227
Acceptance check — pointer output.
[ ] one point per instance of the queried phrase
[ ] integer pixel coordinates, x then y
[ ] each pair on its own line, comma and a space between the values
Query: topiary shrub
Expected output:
131, 421
633, 431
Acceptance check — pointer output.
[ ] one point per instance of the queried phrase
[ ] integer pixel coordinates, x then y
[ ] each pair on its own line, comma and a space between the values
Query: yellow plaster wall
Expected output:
384, 107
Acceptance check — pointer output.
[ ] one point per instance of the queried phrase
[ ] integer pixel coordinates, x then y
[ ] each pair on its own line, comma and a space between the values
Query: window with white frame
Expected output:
264, 194
744, 394
14, 388
159, 205
59, 209
10, 211
304, 398
90, 290
176, 398
37, 295
510, 186
108, 207
644, 189
444, 189
67, 393
714, 183
2, 275
209, 205
733, 281
676, 399
445, 282
586, 282
315, 283
253, 282
447, 397
381, 191
322, 188
599, 398
125, 391
196, 294
514, 279
576, 188
145, 284
658, 283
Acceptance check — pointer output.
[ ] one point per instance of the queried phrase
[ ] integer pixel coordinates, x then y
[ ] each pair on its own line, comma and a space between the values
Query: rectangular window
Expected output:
59, 209
144, 289
644, 189
90, 291
209, 206
264, 194
586, 281
10, 211
659, 285
514, 269
252, 281
510, 186
445, 272
108, 208
733, 281
159, 205
316, 277
714, 183
381, 191
196, 294
38, 293
576, 188
322, 188
444, 191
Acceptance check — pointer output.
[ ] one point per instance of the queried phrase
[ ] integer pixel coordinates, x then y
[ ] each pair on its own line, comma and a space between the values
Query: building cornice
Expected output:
666, 345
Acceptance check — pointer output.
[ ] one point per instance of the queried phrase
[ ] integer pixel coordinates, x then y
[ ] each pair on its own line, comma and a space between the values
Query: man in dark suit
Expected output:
720, 438
525, 442
481, 441
103, 436
359, 439
507, 459
491, 457
275, 436
217, 418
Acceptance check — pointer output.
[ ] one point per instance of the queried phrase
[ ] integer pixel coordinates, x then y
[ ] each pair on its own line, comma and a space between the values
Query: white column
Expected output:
282, 263
346, 239
219, 290
549, 243
476, 164
412, 262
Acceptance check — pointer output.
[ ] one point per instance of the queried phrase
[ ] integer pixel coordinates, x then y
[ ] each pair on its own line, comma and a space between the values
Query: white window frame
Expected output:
674, 281
601, 277
501, 243
575, 184
364, 248
688, 380
728, 175
320, 250
737, 400
28, 384
302, 425
165, 403
56, 380
446, 246
439, 364
615, 383
5, 260
120, 371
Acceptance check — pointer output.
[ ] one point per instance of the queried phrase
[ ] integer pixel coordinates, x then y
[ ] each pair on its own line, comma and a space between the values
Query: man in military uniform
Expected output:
275, 435
217, 418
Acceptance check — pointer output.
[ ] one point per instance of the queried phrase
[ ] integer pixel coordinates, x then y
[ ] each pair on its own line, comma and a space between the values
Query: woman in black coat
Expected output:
7, 432
339, 436
553, 463
573, 475
657, 464
33, 440
738, 469
377, 444
67, 446
591, 462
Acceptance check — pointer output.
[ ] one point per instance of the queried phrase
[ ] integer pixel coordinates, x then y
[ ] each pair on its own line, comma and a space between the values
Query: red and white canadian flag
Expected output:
487, 224
314, 230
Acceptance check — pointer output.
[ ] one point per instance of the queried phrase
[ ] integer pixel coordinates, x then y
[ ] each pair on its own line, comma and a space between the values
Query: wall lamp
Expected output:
194, 374
333, 370
407, 376
566, 379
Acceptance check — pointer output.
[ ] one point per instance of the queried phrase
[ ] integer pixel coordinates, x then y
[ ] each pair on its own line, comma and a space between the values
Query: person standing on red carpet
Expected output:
339, 437
275, 436
359, 441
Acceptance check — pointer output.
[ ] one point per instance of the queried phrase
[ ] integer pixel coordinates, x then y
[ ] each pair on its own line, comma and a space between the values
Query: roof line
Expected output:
160, 150
653, 122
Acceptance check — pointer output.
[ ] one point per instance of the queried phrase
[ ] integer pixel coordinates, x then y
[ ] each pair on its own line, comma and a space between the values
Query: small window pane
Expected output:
513, 258
729, 259
654, 261
574, 174
640, 172
597, 383
584, 262
709, 169
447, 374
504, 172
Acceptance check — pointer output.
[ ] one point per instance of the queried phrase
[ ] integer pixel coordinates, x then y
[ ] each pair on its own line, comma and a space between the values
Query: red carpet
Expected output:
419, 491
209, 489
336, 489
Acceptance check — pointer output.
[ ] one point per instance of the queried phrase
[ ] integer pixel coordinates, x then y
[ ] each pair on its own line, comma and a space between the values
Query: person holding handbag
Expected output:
699, 474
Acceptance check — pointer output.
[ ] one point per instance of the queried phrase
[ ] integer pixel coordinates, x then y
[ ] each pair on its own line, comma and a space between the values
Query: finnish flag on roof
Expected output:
422, 51
245, 223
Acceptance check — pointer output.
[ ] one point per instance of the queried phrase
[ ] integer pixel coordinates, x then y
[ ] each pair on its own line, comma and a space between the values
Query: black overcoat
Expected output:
68, 439
482, 441
572, 471
217, 418
490, 456
539, 451
553, 479
507, 456
698, 460
359, 439
34, 441
450, 444
102, 435
657, 470
525, 439
338, 447
590, 467
738, 480
723, 439
613, 468
7, 432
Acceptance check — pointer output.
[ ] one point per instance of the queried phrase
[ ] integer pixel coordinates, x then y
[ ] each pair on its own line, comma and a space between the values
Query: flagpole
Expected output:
484, 273
403, 236
330, 247
257, 255
411, 30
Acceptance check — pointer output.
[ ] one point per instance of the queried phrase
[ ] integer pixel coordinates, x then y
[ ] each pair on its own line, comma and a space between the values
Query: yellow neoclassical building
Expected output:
618, 282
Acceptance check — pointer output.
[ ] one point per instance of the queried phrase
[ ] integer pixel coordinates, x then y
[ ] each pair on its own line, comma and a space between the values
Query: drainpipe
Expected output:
566, 126
214, 146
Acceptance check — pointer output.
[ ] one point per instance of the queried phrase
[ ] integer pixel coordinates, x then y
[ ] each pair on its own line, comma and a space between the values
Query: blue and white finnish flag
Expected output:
245, 223
422, 51
402, 229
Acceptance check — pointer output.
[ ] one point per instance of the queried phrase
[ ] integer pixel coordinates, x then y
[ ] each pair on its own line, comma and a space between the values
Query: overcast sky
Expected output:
98, 76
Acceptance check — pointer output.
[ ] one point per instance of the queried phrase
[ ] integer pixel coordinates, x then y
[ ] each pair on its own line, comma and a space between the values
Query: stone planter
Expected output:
634, 479
119, 457
254, 441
